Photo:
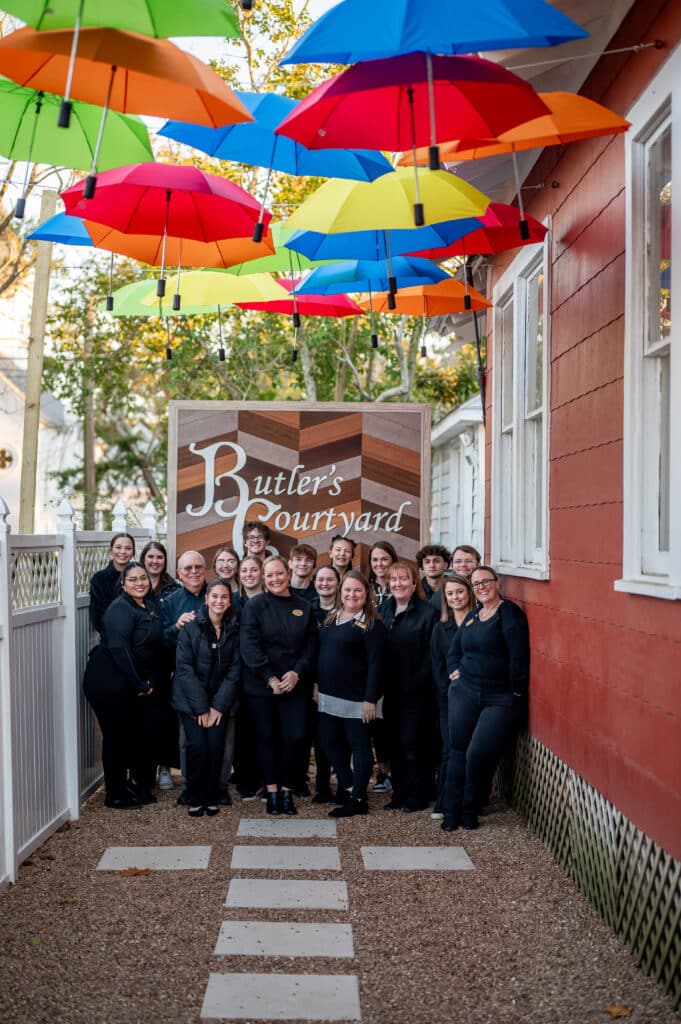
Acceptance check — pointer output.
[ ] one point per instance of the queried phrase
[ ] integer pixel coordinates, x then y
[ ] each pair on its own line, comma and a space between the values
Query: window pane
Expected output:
506, 322
665, 461
534, 343
659, 237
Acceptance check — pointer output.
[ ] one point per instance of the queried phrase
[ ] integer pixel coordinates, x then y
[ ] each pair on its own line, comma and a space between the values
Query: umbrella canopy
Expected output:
256, 143
122, 70
158, 199
380, 244
387, 202
356, 31
499, 231
62, 229
282, 259
410, 101
571, 118
450, 296
213, 288
182, 252
157, 18
28, 132
306, 305
370, 275
127, 302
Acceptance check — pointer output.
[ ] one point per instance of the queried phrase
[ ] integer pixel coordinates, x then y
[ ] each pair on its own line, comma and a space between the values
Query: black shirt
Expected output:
493, 654
278, 635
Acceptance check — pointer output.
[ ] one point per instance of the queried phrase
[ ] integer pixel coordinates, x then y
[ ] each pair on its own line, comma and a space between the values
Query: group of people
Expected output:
422, 672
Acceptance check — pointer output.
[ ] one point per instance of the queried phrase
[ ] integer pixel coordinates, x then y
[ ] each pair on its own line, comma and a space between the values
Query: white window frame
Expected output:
508, 539
661, 98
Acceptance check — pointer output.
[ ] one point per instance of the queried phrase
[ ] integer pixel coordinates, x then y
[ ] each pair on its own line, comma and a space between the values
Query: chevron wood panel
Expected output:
309, 471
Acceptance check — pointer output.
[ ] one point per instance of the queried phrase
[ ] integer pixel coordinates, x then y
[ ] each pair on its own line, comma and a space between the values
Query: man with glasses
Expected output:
465, 559
256, 537
177, 610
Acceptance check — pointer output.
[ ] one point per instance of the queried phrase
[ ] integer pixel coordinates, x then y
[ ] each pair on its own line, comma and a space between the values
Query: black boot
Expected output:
272, 803
286, 804
350, 808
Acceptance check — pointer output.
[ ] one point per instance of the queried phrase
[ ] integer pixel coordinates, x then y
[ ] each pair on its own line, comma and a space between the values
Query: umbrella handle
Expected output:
524, 226
65, 108
91, 180
434, 149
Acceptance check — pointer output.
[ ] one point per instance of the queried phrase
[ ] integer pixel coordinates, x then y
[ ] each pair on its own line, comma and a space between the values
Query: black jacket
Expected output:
207, 667
103, 590
175, 604
495, 654
277, 635
440, 642
133, 640
408, 663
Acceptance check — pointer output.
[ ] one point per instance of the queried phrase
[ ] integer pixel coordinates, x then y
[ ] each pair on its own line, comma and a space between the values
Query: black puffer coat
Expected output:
207, 667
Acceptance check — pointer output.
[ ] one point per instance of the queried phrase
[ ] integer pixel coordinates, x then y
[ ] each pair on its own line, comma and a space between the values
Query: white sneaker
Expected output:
165, 779
437, 815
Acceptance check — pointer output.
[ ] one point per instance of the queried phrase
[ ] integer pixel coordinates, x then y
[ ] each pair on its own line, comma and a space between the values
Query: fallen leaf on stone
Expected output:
34, 942
66, 900
131, 872
617, 1011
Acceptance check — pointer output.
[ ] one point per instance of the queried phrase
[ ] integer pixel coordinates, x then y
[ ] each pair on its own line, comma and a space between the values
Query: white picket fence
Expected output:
49, 739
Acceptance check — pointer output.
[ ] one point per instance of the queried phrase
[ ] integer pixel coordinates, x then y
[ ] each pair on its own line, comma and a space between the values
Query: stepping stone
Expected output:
156, 858
286, 858
272, 894
270, 938
263, 828
282, 997
416, 858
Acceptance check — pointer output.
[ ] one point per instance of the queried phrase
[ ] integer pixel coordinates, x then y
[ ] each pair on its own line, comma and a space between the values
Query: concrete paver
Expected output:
277, 938
286, 858
288, 894
266, 828
282, 997
155, 858
416, 858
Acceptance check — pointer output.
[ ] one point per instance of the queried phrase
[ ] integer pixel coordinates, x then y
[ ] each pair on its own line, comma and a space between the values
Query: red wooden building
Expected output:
583, 487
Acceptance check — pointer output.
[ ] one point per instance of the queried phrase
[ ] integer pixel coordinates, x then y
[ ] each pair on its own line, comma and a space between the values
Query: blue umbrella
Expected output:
63, 229
355, 30
256, 143
371, 276
377, 245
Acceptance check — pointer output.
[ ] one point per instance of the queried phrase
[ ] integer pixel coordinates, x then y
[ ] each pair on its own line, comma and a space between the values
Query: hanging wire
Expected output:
110, 298
419, 218
177, 298
91, 180
221, 350
161, 283
169, 351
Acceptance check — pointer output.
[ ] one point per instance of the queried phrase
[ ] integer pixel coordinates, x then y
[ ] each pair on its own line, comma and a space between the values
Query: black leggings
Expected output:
343, 739
204, 750
280, 731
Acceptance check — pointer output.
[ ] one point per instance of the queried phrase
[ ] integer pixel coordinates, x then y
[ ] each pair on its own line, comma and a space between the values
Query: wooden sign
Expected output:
308, 471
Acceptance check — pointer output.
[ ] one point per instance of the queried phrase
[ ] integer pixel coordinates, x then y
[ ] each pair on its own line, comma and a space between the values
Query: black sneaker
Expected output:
183, 799
128, 803
325, 796
349, 809
224, 799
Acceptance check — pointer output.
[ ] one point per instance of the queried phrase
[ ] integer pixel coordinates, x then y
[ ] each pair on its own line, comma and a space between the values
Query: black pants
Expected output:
379, 737
204, 750
408, 720
443, 716
481, 726
345, 740
280, 730
169, 732
322, 762
246, 761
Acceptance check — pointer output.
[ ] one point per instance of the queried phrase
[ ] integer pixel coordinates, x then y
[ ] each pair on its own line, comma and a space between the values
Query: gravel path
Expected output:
511, 941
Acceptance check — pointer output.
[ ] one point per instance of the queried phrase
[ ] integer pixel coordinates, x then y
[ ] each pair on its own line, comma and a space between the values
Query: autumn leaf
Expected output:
67, 900
35, 942
618, 1011
132, 872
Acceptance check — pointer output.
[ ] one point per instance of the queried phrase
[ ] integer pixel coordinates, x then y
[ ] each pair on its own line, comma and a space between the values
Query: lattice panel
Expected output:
90, 558
632, 882
35, 579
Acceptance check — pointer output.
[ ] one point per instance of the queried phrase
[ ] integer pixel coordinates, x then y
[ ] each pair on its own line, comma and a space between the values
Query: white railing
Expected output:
49, 739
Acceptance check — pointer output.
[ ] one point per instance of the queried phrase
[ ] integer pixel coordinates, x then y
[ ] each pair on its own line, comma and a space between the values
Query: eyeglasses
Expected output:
193, 568
464, 561
482, 584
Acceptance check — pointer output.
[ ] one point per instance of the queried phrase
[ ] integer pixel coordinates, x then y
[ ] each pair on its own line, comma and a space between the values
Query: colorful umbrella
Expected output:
156, 18
28, 133
448, 296
256, 143
410, 101
283, 258
387, 202
381, 244
571, 118
124, 71
499, 231
307, 305
213, 288
370, 275
168, 202
357, 31
62, 229
126, 301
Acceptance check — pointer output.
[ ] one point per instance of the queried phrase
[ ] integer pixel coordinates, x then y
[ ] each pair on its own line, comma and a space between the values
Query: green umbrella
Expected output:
28, 131
158, 18
127, 301
281, 260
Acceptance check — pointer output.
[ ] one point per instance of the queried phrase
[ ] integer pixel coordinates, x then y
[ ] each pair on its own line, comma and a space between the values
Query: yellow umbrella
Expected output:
218, 288
388, 202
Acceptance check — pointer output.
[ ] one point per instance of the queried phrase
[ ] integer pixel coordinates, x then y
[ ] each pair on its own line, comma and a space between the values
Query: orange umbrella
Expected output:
122, 70
572, 118
448, 296
185, 252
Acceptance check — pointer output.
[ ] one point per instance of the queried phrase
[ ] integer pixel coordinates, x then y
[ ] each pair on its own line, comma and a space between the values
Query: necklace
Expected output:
486, 613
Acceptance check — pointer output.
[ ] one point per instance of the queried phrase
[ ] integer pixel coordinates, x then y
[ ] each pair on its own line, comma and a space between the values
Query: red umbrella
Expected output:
498, 231
165, 200
308, 305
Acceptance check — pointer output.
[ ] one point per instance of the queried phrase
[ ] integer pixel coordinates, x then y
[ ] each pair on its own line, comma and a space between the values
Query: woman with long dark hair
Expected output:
409, 694
489, 665
352, 646
104, 585
154, 558
278, 651
458, 601
120, 683
204, 691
